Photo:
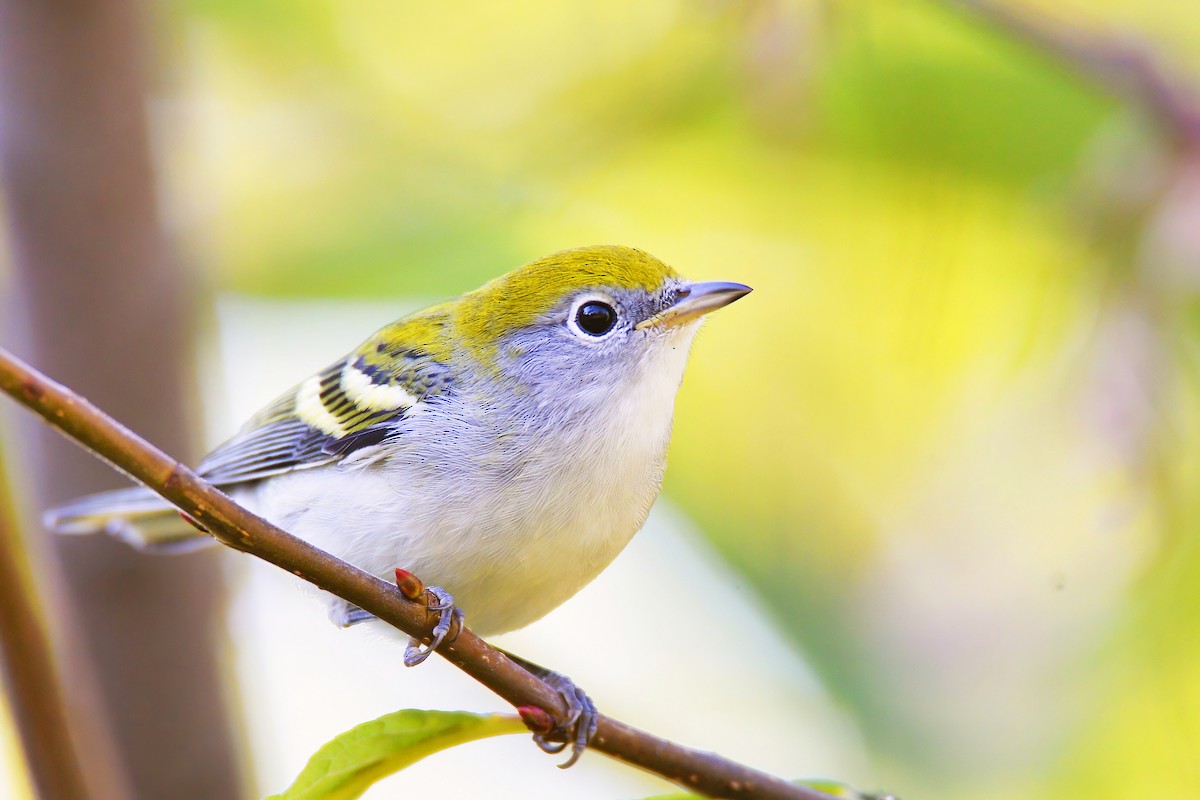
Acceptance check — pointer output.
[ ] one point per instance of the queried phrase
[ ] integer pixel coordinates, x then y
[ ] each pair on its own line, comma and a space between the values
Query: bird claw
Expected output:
579, 726
442, 602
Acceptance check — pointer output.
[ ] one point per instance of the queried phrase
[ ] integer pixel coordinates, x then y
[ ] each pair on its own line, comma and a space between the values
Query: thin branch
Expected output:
28, 667
1116, 65
236, 527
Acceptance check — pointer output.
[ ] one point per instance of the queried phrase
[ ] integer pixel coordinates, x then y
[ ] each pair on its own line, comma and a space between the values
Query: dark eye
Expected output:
596, 318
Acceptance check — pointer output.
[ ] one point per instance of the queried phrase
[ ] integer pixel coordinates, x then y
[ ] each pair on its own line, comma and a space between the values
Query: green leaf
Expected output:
346, 767
831, 788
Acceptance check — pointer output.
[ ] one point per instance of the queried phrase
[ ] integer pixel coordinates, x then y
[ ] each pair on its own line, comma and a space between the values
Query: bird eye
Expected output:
596, 318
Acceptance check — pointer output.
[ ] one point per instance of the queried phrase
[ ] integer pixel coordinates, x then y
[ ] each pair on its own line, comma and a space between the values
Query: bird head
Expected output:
590, 320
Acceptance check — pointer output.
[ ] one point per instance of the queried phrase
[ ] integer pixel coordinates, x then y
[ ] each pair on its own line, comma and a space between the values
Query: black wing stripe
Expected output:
356, 441
275, 448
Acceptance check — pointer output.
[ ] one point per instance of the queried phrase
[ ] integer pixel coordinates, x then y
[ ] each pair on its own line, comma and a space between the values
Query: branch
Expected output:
1114, 64
28, 668
236, 527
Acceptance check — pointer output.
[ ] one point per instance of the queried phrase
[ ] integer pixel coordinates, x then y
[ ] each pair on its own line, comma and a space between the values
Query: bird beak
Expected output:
695, 300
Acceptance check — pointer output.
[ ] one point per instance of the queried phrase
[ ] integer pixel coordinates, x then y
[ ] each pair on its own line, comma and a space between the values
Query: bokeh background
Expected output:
930, 520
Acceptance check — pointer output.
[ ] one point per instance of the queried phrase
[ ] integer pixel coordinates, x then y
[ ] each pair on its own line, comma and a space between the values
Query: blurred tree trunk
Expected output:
99, 301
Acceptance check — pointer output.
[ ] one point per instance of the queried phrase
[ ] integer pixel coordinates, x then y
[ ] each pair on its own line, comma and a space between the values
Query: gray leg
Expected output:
356, 615
344, 614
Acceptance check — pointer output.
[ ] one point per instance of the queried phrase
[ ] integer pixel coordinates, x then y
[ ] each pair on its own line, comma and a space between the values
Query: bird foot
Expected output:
578, 728
437, 600
442, 602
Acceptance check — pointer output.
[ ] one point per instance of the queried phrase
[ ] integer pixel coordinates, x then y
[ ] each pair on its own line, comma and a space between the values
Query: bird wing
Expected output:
346, 409
351, 405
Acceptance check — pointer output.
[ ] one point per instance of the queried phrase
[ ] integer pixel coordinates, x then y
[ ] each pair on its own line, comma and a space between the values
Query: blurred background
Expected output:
930, 520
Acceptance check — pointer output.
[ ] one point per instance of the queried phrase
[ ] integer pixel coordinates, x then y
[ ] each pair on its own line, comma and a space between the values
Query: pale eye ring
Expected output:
594, 317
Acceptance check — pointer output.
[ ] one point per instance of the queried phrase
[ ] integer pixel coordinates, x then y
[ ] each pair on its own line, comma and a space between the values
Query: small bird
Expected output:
503, 446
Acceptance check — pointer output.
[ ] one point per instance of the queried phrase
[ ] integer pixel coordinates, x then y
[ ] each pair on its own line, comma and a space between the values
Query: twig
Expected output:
29, 672
1116, 65
236, 527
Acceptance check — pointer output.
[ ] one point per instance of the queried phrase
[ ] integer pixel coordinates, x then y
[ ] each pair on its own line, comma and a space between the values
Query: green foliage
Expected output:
349, 764
935, 91
948, 437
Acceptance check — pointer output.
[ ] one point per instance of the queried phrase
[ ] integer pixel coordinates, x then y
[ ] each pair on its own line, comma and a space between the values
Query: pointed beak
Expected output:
695, 300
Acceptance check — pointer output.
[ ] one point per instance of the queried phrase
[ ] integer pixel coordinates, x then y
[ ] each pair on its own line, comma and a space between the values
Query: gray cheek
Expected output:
551, 362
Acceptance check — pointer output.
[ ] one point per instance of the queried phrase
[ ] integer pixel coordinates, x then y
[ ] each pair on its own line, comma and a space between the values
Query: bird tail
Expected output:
136, 516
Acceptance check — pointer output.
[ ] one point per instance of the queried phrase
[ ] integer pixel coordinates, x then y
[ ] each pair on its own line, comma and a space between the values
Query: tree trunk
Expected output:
99, 301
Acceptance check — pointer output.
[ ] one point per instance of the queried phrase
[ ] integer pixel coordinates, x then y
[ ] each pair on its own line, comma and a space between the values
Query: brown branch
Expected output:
1116, 65
236, 527
29, 671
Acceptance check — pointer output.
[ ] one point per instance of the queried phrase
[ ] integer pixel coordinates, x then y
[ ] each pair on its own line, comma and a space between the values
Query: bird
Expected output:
503, 446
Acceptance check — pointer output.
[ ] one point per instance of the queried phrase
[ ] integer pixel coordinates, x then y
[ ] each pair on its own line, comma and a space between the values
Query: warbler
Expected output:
503, 446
